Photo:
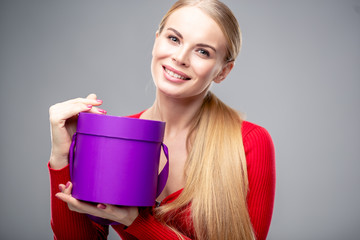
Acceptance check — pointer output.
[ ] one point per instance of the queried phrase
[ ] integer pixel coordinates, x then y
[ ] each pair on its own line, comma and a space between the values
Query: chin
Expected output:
170, 92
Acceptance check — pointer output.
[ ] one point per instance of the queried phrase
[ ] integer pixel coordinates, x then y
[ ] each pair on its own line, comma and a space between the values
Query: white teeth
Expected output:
171, 73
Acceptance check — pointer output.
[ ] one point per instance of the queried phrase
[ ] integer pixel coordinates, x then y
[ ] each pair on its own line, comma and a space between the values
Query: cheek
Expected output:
156, 54
160, 50
204, 70
159, 53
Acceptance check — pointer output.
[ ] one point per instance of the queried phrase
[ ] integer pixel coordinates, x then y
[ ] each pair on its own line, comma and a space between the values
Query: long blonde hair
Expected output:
216, 182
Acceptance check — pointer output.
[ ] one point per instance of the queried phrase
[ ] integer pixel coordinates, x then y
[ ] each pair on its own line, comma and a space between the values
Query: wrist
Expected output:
132, 215
58, 162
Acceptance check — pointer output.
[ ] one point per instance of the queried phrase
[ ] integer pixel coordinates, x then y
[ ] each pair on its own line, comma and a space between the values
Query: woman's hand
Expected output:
63, 119
123, 215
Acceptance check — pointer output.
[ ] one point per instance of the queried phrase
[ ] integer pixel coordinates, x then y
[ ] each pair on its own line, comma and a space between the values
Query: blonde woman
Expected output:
221, 182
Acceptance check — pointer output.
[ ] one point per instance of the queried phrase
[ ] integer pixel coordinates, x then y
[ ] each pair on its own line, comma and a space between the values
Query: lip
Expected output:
177, 72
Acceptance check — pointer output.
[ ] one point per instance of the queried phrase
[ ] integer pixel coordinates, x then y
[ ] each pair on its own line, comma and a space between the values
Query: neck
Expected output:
177, 113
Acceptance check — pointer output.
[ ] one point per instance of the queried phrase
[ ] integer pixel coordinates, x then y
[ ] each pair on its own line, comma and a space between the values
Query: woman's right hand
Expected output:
63, 120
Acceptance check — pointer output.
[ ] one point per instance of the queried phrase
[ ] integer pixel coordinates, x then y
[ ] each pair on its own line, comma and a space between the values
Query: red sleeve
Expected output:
67, 224
260, 158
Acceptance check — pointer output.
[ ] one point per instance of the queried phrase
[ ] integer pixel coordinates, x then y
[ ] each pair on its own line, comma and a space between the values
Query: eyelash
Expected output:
173, 38
204, 52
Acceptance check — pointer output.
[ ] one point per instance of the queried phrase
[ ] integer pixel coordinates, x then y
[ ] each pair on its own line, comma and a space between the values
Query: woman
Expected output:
222, 172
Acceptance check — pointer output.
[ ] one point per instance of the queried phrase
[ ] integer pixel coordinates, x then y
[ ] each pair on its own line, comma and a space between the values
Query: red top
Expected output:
260, 158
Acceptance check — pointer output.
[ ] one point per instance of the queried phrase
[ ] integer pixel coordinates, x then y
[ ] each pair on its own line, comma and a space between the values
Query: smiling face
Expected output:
189, 54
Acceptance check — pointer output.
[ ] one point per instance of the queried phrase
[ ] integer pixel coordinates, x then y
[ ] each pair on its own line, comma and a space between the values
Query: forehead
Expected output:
196, 25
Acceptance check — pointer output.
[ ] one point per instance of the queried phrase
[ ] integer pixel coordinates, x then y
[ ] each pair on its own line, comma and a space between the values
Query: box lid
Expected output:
121, 127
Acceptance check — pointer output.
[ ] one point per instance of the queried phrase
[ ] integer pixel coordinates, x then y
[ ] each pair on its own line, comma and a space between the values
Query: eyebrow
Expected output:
199, 44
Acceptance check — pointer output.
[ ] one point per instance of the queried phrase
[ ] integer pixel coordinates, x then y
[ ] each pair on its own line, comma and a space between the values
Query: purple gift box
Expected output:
115, 160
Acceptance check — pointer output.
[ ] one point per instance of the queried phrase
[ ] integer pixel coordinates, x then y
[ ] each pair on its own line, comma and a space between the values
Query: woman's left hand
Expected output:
123, 215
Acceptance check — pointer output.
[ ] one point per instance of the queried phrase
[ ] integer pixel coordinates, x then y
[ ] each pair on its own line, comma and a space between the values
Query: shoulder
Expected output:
249, 127
254, 133
258, 144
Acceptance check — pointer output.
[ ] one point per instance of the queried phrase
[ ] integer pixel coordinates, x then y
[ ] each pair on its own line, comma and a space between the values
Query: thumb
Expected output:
68, 188
92, 96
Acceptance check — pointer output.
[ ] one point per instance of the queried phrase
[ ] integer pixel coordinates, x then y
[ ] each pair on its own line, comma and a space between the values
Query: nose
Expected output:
180, 57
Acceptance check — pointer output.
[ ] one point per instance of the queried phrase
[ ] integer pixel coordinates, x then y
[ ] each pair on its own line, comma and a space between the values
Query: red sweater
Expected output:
260, 158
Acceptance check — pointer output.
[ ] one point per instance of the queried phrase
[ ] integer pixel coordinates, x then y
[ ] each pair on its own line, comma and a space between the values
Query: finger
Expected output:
71, 110
91, 104
73, 203
63, 111
79, 206
101, 206
92, 96
87, 101
61, 187
64, 197
59, 116
98, 110
75, 106
68, 188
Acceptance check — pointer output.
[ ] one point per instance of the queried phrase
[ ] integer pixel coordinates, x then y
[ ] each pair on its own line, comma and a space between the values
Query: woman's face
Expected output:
188, 54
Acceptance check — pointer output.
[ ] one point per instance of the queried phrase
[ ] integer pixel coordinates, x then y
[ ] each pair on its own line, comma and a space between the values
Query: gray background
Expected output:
297, 75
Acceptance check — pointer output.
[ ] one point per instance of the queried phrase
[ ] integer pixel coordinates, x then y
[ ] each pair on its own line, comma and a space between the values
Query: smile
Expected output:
176, 74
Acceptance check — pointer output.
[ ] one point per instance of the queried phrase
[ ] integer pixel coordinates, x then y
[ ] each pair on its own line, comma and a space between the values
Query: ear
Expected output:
224, 72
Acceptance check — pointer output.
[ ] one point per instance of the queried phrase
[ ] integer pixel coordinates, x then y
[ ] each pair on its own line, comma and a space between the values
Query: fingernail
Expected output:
99, 101
102, 110
67, 184
89, 106
102, 206
60, 188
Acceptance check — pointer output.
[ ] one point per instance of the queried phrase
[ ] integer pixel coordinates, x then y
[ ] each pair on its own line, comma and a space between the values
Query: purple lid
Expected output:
120, 127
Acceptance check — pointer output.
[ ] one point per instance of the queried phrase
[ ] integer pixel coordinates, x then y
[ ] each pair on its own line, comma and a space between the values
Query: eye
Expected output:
173, 39
204, 52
